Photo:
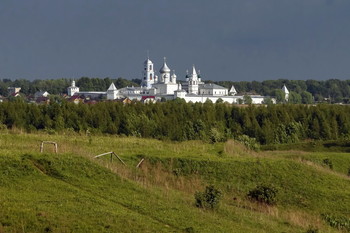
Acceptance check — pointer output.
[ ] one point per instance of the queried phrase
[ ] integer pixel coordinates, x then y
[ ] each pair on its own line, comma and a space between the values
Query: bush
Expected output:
349, 171
328, 163
264, 194
215, 136
249, 142
312, 230
339, 222
209, 199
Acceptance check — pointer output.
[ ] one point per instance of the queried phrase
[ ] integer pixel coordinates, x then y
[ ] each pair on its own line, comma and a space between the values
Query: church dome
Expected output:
148, 61
164, 68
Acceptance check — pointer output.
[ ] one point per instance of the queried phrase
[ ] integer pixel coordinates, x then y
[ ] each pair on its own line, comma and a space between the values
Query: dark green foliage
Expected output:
219, 101
312, 229
294, 98
247, 99
265, 194
189, 230
209, 199
59, 86
180, 121
306, 97
349, 171
328, 163
330, 91
339, 222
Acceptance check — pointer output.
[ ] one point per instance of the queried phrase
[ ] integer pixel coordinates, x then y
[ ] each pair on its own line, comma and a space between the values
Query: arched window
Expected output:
150, 67
150, 76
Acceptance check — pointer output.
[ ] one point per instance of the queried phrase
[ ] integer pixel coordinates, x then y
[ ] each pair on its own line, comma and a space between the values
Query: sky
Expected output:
235, 40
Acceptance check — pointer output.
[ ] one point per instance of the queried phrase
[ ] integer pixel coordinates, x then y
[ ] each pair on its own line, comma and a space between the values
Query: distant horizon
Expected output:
179, 79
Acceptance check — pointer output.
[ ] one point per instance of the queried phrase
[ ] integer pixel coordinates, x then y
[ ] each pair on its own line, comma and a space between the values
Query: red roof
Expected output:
74, 97
148, 97
15, 94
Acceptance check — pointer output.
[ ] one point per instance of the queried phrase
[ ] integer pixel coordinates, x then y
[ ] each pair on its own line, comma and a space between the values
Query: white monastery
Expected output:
165, 86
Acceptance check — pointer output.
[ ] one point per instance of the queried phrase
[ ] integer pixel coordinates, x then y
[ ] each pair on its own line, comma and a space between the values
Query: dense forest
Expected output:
332, 90
309, 91
177, 120
59, 86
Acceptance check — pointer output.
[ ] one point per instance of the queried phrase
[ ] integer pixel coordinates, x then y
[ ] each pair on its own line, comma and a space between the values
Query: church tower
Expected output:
232, 91
285, 92
72, 89
164, 73
112, 92
148, 74
193, 82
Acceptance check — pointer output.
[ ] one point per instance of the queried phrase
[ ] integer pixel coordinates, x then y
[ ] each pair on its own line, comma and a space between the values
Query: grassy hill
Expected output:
72, 192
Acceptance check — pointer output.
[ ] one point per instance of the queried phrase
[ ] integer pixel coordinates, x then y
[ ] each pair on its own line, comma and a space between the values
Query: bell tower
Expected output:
148, 74
193, 82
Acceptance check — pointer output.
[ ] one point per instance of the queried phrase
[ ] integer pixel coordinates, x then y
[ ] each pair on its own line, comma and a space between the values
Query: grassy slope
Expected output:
70, 192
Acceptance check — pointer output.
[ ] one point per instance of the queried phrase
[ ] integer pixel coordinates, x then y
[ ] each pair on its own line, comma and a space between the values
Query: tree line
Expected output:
59, 86
179, 121
301, 91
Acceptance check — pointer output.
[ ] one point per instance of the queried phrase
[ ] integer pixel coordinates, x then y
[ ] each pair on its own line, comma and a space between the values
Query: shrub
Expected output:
264, 194
249, 142
349, 171
3, 126
215, 136
189, 230
328, 163
209, 199
312, 229
339, 222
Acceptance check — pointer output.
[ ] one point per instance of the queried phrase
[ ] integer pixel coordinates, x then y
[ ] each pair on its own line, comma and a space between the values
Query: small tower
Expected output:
285, 92
148, 74
72, 89
187, 76
173, 77
193, 82
232, 91
164, 73
112, 92
199, 77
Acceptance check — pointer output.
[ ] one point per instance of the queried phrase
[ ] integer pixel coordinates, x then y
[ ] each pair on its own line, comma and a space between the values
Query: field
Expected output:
71, 191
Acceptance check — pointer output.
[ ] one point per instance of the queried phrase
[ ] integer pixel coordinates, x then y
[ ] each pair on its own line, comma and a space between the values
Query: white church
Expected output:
165, 86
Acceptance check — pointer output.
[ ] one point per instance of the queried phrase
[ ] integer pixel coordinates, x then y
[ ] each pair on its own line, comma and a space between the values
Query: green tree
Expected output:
247, 99
280, 98
306, 97
294, 98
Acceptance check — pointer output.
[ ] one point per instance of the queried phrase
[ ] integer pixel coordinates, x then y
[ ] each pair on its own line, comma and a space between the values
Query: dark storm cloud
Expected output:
226, 40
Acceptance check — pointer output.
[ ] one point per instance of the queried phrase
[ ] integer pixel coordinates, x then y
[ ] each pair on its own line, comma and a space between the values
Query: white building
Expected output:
166, 84
72, 89
13, 90
148, 74
212, 89
112, 92
232, 91
166, 87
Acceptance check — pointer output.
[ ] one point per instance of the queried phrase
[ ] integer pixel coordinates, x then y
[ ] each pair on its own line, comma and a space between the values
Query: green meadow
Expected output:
71, 191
